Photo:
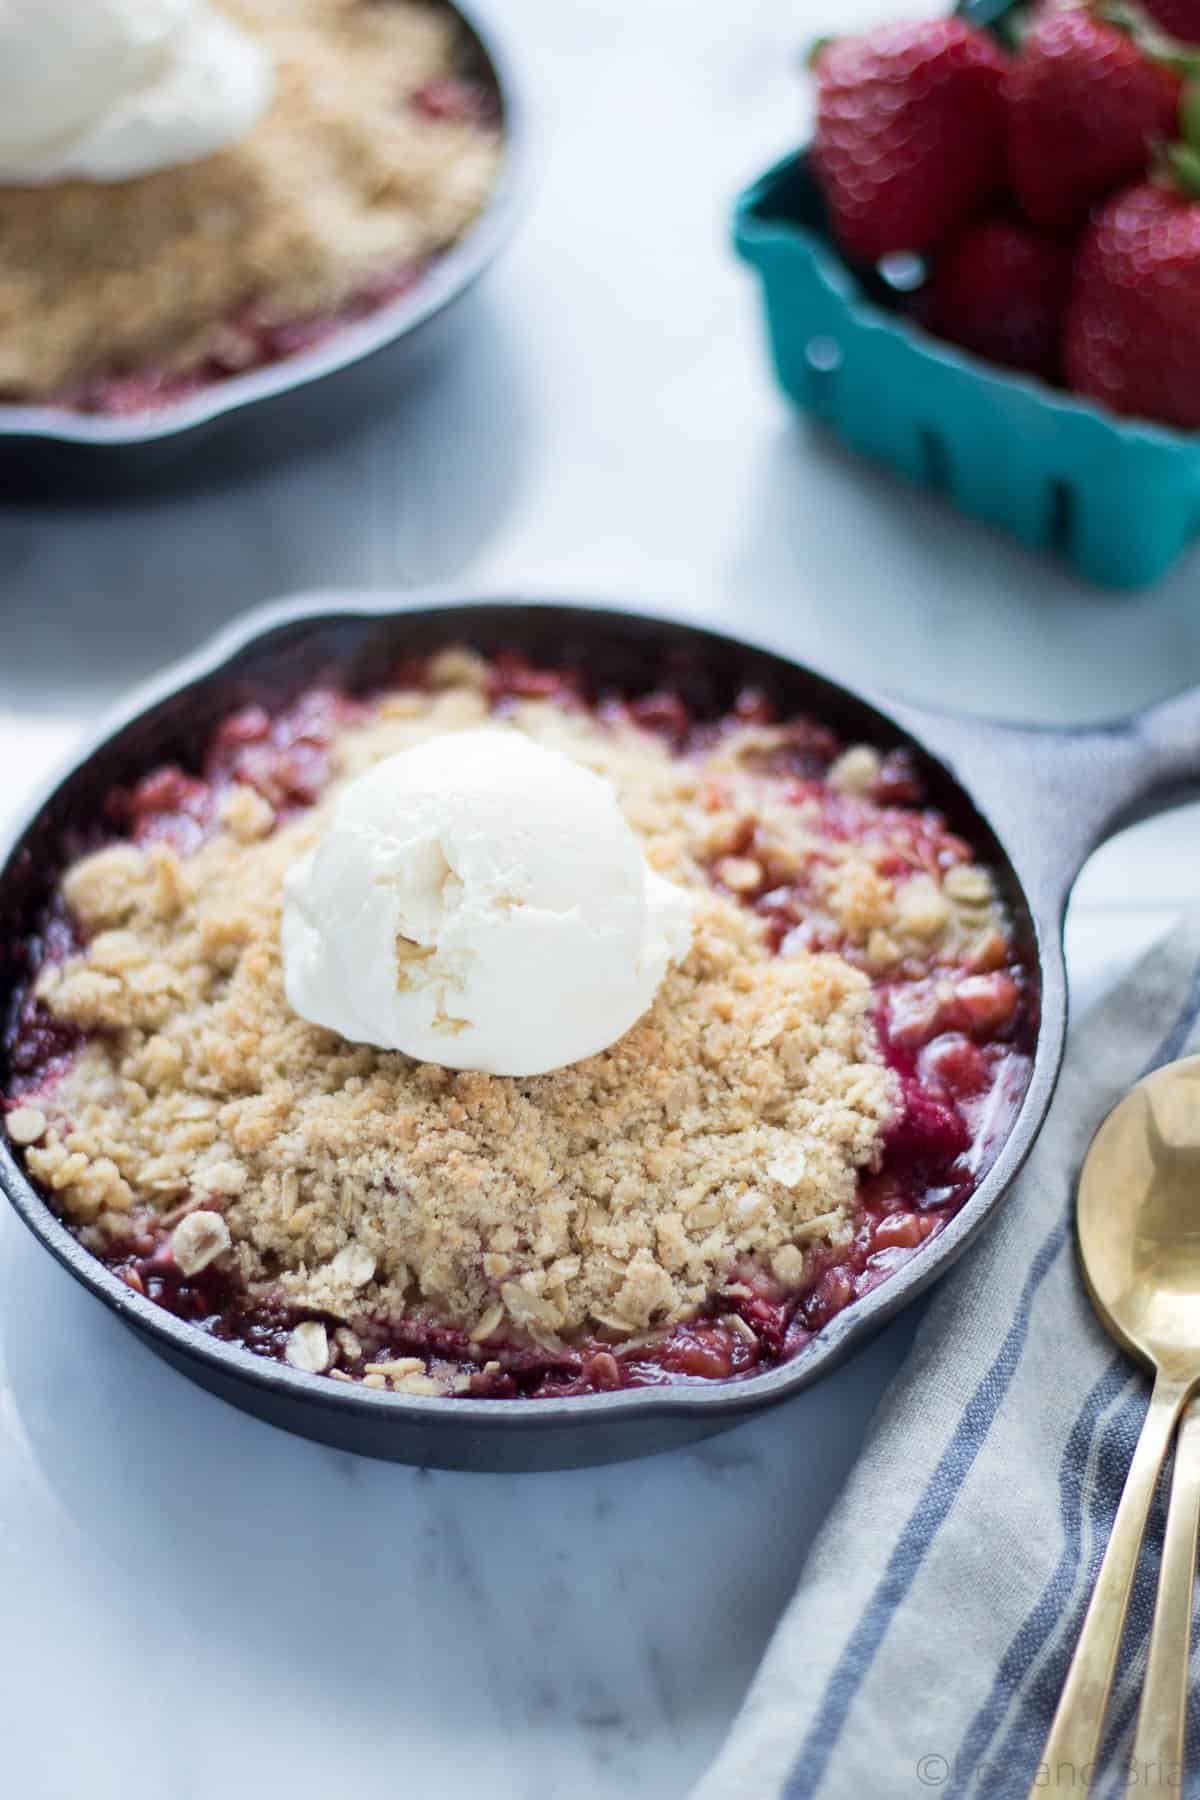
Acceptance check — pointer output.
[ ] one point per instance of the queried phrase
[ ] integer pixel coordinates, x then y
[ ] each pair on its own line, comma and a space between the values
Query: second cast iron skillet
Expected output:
301, 399
1033, 803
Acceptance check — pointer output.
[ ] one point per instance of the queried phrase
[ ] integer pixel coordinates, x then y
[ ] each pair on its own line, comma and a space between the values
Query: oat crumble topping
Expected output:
342, 181
728, 1130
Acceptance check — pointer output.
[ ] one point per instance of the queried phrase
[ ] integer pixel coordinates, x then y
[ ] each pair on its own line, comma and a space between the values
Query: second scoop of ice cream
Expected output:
108, 90
480, 901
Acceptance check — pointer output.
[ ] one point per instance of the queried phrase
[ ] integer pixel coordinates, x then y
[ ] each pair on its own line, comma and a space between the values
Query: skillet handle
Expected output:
1054, 795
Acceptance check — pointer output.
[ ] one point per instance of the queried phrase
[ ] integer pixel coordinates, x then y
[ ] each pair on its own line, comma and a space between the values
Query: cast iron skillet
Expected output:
302, 397
1033, 802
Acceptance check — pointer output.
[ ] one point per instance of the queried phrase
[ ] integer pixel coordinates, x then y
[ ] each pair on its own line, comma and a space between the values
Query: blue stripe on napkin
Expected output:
1008, 1730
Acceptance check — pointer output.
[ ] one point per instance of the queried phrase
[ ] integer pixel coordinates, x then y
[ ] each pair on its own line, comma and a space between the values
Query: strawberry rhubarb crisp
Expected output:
817, 1083
379, 147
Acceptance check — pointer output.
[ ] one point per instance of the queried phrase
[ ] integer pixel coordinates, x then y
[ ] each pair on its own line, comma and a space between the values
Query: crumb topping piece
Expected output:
308, 1347
26, 1125
198, 1239
349, 176
613, 1197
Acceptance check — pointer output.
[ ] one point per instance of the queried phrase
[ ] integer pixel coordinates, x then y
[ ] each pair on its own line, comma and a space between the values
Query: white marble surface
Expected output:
194, 1607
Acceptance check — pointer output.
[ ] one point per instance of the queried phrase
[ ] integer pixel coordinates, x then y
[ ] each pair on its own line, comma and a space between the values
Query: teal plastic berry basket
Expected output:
1119, 498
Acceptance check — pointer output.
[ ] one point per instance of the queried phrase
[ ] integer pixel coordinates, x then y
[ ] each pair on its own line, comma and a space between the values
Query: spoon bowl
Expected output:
1138, 1220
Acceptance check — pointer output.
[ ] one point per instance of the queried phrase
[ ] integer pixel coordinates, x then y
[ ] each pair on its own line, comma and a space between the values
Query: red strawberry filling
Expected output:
957, 1037
252, 339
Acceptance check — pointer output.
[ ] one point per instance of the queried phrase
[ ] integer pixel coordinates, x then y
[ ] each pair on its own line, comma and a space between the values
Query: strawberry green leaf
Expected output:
1149, 37
1184, 164
1189, 113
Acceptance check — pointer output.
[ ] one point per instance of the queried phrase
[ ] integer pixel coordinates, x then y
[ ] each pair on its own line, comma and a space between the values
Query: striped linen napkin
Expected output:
925, 1649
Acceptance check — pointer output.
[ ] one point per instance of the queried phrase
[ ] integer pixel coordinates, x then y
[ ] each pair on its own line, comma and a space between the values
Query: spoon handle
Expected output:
1158, 1746
1069, 1759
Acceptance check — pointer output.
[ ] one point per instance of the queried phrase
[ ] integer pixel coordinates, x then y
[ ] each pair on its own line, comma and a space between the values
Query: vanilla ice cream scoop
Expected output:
105, 90
479, 901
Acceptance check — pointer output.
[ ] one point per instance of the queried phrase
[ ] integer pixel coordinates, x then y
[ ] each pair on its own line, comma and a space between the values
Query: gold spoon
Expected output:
1138, 1220
1158, 1746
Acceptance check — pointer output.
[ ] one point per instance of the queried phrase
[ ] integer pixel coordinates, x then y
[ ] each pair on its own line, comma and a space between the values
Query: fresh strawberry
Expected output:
1084, 104
1133, 325
910, 134
1000, 289
1181, 18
